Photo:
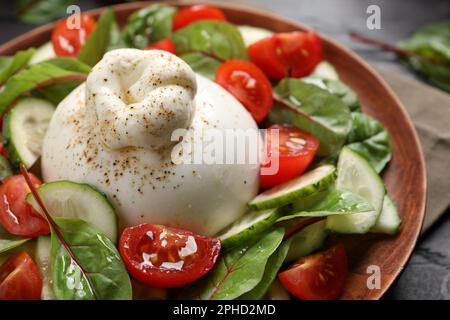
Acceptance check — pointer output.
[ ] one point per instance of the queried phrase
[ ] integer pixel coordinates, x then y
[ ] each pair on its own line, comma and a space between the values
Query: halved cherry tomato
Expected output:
320, 276
20, 278
166, 257
16, 215
248, 84
295, 151
67, 40
293, 54
191, 14
164, 44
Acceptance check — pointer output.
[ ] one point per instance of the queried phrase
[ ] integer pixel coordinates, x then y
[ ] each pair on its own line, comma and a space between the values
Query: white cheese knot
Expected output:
138, 98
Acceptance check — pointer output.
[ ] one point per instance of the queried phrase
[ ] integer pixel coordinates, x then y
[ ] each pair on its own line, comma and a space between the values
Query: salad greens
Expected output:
100, 39
371, 140
147, 26
237, 271
212, 42
273, 265
431, 45
327, 203
313, 110
9, 241
10, 65
41, 11
52, 79
338, 88
101, 273
202, 63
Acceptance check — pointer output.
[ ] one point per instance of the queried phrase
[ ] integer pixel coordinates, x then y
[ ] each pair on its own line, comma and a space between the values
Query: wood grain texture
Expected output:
404, 177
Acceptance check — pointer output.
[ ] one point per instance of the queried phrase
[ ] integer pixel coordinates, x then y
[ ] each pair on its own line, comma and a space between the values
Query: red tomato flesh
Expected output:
320, 276
16, 215
166, 257
191, 14
294, 54
165, 44
295, 151
67, 40
247, 83
20, 279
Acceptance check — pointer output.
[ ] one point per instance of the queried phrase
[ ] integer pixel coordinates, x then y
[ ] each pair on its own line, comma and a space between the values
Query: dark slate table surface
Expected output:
427, 275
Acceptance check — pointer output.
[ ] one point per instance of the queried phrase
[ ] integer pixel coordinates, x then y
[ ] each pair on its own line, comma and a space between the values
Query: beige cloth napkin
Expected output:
429, 109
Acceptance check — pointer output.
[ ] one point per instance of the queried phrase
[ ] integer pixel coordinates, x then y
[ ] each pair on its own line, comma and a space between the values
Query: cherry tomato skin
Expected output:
20, 278
294, 54
247, 83
188, 15
165, 44
166, 257
319, 276
68, 42
263, 54
16, 215
295, 151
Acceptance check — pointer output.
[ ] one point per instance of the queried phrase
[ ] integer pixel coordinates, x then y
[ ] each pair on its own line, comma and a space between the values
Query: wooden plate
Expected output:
404, 177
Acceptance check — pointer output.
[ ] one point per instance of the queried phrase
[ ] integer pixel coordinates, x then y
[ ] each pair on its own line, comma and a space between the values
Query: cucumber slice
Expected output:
43, 260
325, 70
307, 241
389, 221
249, 225
5, 168
310, 182
44, 52
24, 129
356, 175
78, 200
253, 34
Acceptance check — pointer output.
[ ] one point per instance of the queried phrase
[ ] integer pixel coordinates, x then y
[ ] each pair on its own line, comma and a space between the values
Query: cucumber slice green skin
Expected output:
5, 168
43, 260
362, 179
310, 239
247, 227
389, 221
18, 150
310, 182
86, 203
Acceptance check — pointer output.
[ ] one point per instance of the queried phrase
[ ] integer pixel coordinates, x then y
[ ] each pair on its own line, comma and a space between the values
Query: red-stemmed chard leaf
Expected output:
55, 227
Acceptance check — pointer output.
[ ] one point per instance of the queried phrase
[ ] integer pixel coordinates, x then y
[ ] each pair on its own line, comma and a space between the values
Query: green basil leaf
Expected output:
371, 140
41, 11
431, 42
270, 273
49, 78
237, 271
10, 65
313, 110
9, 241
98, 257
326, 203
202, 64
148, 25
213, 38
99, 40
